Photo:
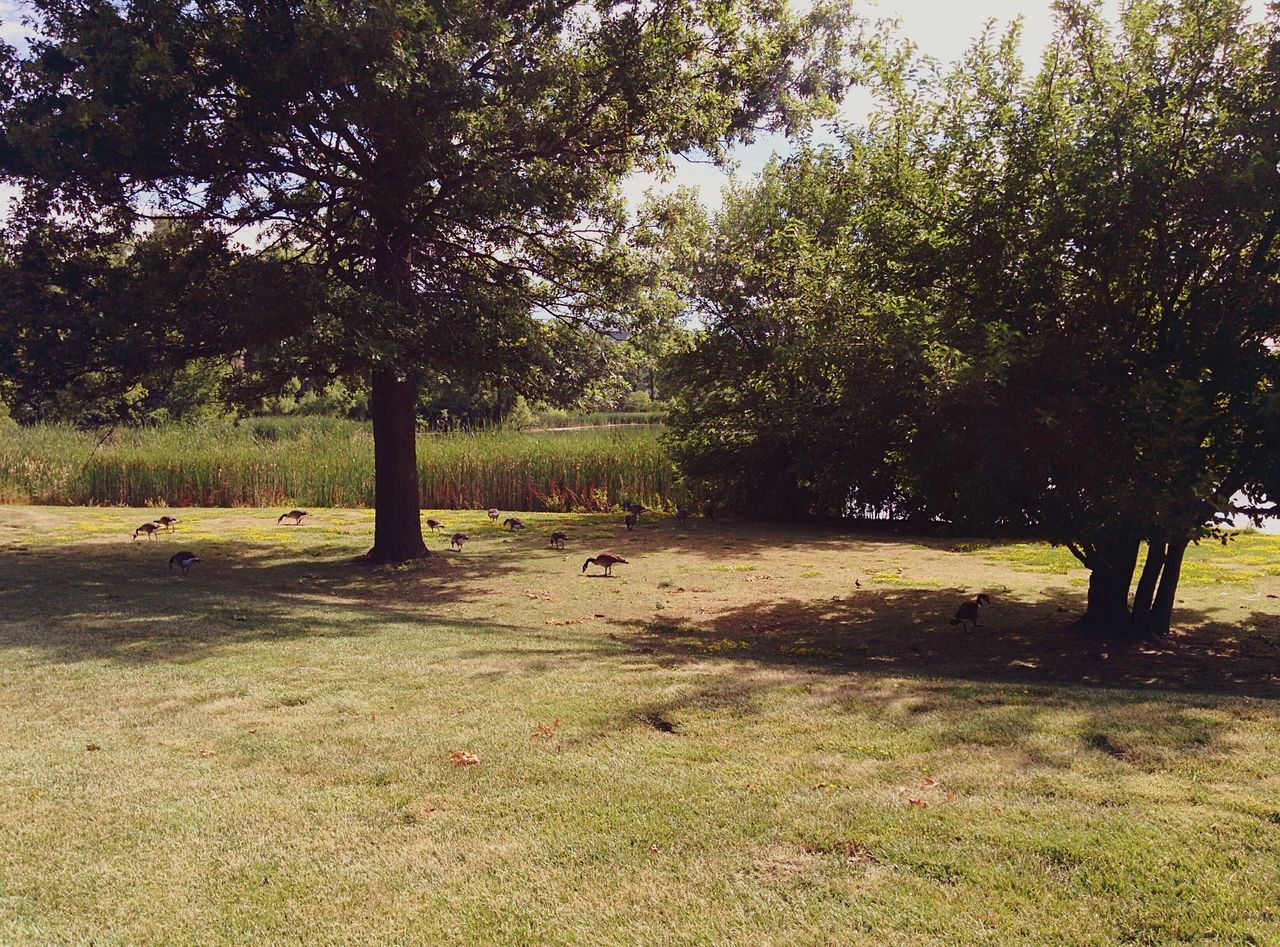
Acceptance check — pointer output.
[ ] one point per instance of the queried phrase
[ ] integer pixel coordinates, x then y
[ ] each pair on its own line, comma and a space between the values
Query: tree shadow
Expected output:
906, 632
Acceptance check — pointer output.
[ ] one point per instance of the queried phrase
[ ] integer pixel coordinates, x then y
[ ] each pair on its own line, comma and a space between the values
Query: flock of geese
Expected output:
606, 560
966, 614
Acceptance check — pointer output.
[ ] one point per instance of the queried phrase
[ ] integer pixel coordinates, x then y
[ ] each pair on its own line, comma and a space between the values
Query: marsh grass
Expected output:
329, 462
791, 761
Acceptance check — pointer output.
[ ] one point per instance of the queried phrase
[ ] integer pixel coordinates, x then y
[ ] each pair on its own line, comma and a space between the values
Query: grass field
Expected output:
750, 735
329, 462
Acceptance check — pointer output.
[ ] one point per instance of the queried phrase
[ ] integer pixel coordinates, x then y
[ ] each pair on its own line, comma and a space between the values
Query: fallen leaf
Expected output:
207, 752
951, 797
653, 849
429, 809
92, 746
929, 781
461, 758
918, 803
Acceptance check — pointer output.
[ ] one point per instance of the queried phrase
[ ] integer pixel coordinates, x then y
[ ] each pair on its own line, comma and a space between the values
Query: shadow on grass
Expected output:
906, 632
123, 604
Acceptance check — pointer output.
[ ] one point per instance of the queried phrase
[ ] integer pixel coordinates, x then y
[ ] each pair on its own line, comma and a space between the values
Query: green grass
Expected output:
328, 462
772, 756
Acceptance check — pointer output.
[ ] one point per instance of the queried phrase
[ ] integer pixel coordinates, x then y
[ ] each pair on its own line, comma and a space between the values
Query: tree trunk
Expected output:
397, 522
1162, 610
1140, 618
1111, 572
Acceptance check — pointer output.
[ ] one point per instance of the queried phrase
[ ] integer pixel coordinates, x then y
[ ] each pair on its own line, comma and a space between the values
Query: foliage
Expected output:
1041, 305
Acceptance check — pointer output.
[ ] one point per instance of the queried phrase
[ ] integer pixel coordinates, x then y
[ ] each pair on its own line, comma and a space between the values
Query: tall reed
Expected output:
328, 462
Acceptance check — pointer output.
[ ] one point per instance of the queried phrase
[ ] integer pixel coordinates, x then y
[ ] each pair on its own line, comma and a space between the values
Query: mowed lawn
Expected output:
749, 735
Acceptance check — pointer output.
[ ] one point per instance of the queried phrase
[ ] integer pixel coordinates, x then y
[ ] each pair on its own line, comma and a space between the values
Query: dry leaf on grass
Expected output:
207, 752
918, 804
567, 621
928, 781
545, 732
461, 758
89, 747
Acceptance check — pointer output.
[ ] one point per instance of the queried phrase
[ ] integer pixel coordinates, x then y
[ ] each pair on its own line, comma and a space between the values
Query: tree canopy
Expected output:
1039, 304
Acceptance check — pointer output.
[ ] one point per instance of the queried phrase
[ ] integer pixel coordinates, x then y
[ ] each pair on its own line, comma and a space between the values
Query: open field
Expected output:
329, 462
751, 748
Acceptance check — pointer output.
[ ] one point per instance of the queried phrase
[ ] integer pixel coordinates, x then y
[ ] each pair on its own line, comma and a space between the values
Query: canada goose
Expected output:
183, 560
457, 541
147, 529
968, 611
295, 515
513, 523
637, 508
709, 510
681, 514
493, 516
558, 538
434, 524
630, 520
606, 559
167, 522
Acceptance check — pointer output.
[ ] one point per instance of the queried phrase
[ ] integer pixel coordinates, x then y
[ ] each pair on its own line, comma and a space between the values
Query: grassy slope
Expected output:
274, 737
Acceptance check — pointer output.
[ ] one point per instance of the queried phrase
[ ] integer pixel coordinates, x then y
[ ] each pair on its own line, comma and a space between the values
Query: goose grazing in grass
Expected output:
606, 559
493, 516
681, 514
167, 522
630, 520
183, 560
513, 523
295, 515
968, 612
147, 529
637, 508
457, 541
434, 524
558, 538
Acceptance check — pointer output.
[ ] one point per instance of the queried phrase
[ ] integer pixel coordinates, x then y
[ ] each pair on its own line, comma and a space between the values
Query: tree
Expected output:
1108, 275
1040, 305
445, 170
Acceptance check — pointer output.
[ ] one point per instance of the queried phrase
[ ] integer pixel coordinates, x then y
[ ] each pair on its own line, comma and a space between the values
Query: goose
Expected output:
681, 514
968, 611
457, 541
493, 516
606, 559
513, 523
434, 524
709, 510
183, 560
630, 520
167, 522
295, 515
558, 538
147, 529
637, 508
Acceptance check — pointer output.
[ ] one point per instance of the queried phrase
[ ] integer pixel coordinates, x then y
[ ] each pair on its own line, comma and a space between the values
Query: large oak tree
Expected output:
444, 168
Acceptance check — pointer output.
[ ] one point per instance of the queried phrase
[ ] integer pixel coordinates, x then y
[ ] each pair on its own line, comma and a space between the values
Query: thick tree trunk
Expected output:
1140, 617
1162, 609
397, 523
1111, 573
